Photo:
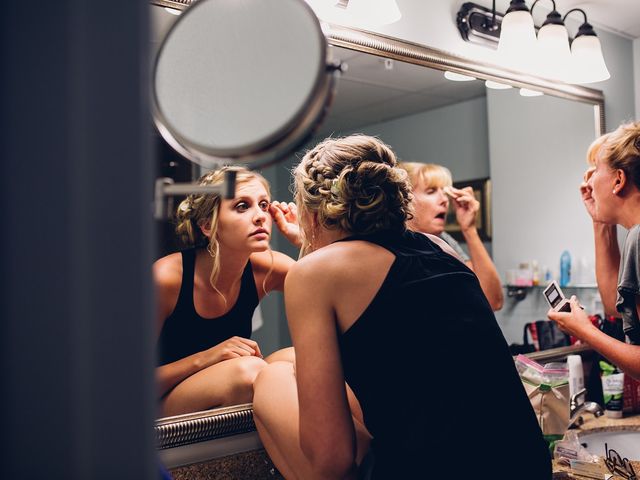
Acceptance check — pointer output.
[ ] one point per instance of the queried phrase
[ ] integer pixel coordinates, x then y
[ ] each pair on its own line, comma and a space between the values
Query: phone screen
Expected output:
553, 296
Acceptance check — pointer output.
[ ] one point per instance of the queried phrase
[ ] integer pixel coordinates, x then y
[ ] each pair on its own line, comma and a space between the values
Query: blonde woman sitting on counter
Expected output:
432, 191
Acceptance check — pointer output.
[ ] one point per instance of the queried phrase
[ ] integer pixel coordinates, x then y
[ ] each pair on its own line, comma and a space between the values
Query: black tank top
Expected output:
434, 376
185, 332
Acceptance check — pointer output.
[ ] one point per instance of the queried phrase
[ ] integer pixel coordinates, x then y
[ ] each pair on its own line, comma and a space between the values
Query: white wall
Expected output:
636, 74
454, 136
537, 209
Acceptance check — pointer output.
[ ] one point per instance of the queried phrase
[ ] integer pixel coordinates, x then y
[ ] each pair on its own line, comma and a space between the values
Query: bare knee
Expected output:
244, 373
271, 379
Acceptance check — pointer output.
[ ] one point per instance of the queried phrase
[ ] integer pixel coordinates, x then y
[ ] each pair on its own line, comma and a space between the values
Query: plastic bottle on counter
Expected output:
565, 268
576, 374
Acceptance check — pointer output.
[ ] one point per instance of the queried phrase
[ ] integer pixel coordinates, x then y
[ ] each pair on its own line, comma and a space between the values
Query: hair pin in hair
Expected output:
334, 187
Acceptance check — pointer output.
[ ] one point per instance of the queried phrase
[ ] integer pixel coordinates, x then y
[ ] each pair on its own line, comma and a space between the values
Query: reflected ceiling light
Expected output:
549, 57
173, 11
457, 77
526, 92
374, 12
496, 85
587, 62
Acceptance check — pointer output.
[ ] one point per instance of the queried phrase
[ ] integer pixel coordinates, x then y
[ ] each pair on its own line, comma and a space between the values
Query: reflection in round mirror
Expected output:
241, 81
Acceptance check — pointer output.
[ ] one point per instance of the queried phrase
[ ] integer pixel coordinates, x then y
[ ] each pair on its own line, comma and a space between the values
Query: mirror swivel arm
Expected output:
166, 189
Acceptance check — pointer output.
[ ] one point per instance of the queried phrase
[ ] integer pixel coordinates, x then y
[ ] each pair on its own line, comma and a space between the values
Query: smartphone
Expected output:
556, 298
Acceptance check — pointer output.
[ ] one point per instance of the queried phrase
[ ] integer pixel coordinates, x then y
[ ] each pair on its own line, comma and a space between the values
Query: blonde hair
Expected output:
622, 150
353, 184
594, 148
430, 175
198, 210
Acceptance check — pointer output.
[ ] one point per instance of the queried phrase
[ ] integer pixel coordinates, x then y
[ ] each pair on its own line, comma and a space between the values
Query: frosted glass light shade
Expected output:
374, 12
496, 85
526, 92
554, 56
457, 77
587, 62
517, 44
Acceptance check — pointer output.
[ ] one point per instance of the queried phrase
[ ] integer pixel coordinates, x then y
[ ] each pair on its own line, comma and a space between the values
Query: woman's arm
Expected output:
467, 207
262, 263
327, 435
607, 251
483, 267
607, 264
167, 273
577, 323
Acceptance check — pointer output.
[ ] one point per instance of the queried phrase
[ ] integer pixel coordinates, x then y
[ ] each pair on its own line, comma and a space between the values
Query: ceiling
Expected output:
374, 89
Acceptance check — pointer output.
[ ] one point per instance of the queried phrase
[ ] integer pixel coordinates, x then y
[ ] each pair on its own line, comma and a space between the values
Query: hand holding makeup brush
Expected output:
465, 204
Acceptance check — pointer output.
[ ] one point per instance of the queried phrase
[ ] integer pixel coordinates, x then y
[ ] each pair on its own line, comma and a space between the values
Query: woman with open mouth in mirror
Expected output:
432, 193
398, 317
207, 295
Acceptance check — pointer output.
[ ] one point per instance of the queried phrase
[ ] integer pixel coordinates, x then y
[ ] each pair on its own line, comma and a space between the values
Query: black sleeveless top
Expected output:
432, 371
185, 332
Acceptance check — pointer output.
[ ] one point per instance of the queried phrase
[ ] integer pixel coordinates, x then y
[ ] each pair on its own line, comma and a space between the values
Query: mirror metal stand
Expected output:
166, 189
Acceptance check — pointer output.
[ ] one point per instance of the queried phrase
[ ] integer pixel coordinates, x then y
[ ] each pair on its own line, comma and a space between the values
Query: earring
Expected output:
213, 255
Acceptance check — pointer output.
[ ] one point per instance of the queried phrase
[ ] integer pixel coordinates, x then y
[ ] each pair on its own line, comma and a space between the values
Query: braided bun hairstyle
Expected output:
198, 210
353, 184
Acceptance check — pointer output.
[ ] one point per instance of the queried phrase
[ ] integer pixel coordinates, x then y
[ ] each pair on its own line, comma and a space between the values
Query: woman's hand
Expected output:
285, 215
465, 205
585, 192
232, 348
573, 323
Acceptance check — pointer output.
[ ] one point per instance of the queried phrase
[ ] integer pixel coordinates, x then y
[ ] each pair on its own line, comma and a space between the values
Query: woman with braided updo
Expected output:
207, 295
393, 312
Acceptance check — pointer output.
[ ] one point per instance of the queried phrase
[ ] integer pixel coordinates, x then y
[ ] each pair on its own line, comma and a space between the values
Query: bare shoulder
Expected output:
262, 262
167, 272
342, 260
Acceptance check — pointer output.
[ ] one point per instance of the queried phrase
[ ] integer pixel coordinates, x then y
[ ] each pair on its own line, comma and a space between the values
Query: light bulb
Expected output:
517, 44
526, 92
457, 77
587, 62
496, 85
554, 56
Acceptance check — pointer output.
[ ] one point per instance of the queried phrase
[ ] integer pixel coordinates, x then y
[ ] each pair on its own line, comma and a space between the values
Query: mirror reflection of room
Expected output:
428, 119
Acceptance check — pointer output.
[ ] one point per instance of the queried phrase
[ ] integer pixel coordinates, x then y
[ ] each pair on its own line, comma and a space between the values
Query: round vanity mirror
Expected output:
241, 81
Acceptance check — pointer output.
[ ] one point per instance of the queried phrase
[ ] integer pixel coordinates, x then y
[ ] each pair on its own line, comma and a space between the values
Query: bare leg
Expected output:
275, 409
226, 383
282, 355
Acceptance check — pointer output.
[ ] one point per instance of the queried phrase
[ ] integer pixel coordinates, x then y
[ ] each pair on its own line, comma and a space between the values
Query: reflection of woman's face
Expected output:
244, 222
602, 182
430, 206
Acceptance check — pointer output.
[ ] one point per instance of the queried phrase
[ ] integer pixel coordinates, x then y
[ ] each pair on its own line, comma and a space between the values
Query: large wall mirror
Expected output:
531, 148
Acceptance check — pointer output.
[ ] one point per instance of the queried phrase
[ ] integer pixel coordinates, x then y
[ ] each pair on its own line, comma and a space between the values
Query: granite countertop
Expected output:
604, 423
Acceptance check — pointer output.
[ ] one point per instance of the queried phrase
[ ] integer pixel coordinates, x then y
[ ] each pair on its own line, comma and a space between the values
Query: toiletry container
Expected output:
576, 374
565, 268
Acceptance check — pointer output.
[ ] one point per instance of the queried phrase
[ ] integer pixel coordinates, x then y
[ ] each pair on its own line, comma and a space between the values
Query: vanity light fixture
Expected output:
172, 11
549, 56
496, 85
457, 77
